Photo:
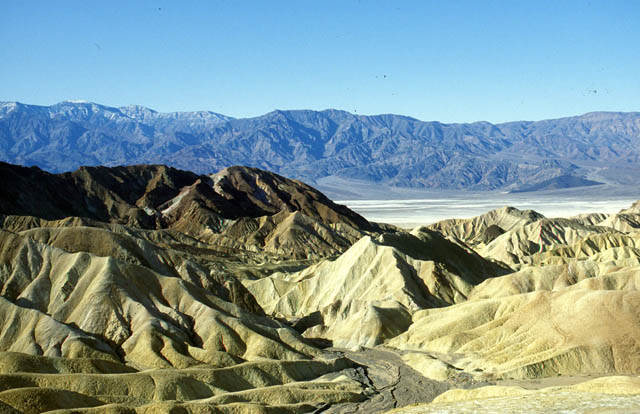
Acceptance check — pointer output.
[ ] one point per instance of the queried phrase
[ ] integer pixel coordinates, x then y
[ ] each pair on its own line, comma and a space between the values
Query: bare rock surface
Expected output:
121, 292
146, 289
391, 383
369, 293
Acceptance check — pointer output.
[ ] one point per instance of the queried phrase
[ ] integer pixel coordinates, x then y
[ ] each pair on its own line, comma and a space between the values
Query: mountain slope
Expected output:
240, 207
309, 145
120, 291
149, 289
369, 293
570, 331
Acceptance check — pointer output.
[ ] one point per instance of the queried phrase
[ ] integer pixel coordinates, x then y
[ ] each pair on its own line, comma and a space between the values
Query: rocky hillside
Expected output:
239, 207
147, 289
122, 287
369, 294
309, 145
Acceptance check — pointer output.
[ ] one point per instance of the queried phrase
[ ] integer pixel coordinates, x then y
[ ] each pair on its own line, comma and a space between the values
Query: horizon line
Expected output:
355, 114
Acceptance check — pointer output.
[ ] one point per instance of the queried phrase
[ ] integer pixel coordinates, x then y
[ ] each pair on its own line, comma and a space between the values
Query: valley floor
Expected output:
409, 208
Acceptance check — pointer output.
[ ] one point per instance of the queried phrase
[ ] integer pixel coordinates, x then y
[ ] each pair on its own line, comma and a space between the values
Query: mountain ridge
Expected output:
388, 149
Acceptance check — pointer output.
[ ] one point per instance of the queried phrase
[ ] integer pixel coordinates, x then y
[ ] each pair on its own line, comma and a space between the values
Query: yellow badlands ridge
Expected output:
245, 292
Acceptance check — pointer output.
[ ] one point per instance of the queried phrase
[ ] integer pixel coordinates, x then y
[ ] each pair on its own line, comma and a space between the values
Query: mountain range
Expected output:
598, 147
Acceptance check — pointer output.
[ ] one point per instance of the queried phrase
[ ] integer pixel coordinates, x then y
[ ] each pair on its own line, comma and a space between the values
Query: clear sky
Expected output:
452, 61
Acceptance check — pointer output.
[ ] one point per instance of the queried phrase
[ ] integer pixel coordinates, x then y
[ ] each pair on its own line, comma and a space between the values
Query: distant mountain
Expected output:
563, 181
67, 135
310, 145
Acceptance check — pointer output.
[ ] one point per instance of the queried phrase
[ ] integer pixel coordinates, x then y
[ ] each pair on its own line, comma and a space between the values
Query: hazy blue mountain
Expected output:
67, 135
308, 145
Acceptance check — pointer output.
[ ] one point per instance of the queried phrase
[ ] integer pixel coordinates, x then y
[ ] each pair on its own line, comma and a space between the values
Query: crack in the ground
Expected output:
324, 407
365, 373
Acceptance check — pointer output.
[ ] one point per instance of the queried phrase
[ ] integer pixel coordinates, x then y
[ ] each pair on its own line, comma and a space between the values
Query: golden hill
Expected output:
146, 289
369, 293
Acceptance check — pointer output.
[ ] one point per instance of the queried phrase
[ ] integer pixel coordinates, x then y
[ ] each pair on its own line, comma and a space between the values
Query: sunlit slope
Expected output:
570, 308
152, 320
369, 293
568, 332
124, 314
604, 395
74, 317
249, 387
482, 229
518, 238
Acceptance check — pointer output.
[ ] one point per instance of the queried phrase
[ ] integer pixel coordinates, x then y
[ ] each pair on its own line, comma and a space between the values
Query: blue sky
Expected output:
452, 61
